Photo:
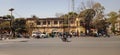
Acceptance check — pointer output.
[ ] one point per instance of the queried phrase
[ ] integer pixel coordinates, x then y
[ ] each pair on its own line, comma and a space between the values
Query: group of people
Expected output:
64, 36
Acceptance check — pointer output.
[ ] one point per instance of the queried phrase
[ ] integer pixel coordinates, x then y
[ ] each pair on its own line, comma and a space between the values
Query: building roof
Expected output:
48, 18
45, 18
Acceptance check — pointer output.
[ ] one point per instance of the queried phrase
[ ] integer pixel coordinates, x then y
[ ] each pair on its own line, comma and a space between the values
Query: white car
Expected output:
36, 34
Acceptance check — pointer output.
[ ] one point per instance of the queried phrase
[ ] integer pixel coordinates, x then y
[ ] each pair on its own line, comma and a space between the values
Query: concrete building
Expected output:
49, 25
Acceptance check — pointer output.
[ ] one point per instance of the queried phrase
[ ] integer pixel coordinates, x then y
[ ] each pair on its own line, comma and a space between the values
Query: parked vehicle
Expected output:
54, 34
44, 35
36, 34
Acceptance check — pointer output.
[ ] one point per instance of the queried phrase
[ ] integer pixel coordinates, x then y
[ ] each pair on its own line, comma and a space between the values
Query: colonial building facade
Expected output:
49, 25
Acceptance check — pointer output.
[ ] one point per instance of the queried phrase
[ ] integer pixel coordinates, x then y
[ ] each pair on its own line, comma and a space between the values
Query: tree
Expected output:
112, 19
34, 16
86, 5
87, 16
99, 20
5, 25
19, 25
69, 15
67, 18
99, 9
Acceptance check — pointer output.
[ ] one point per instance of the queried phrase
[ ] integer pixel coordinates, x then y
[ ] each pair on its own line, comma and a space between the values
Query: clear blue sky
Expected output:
48, 8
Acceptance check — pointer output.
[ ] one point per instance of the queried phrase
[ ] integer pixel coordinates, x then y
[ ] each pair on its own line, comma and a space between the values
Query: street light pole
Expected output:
11, 11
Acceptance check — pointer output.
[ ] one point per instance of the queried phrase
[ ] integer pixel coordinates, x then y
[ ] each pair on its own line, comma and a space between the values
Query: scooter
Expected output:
64, 39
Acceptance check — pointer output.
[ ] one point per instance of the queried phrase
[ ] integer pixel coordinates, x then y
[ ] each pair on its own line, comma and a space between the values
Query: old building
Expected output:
49, 25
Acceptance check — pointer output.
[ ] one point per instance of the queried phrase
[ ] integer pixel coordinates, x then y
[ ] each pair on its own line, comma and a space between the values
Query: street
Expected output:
54, 46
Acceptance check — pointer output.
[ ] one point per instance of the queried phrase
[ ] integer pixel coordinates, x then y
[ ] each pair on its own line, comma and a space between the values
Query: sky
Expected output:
49, 8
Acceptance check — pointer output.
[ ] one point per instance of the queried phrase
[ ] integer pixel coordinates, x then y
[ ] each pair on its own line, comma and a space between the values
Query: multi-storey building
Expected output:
54, 25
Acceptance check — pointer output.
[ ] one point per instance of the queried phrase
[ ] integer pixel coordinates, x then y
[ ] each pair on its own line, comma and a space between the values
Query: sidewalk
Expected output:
15, 40
10, 41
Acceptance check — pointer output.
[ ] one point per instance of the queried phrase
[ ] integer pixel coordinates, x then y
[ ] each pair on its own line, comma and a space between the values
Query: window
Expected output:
72, 22
55, 22
61, 22
38, 23
44, 22
48, 22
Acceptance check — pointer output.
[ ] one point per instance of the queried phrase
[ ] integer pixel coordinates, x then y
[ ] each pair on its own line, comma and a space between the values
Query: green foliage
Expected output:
112, 19
69, 15
9, 17
87, 16
5, 25
19, 25
98, 8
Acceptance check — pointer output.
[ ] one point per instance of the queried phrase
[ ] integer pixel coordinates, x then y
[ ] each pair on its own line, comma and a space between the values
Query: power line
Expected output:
17, 14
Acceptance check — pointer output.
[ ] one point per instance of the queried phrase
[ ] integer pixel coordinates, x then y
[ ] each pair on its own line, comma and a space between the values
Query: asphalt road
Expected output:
54, 46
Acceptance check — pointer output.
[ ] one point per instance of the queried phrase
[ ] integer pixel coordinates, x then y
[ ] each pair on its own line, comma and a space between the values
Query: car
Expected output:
54, 34
36, 34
